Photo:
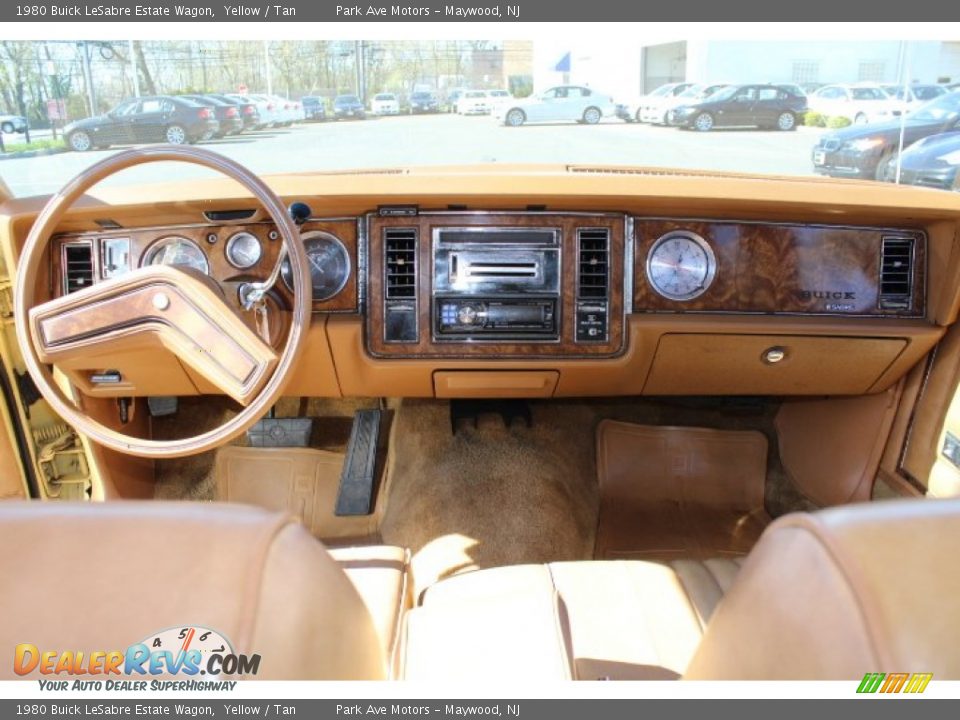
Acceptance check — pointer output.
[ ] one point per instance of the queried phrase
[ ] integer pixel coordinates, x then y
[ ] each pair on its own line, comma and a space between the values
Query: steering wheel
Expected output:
159, 306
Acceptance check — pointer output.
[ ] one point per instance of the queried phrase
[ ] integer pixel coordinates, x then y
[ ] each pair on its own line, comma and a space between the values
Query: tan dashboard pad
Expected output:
300, 481
162, 305
668, 492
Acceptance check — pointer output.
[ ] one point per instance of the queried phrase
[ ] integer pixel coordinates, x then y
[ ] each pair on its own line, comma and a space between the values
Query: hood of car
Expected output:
939, 151
94, 121
887, 129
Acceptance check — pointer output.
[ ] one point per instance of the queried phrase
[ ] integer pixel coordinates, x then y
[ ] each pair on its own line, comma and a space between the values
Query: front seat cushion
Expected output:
623, 620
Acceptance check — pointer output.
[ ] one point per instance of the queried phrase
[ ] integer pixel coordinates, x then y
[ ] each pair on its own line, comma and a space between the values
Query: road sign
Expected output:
56, 110
242, 89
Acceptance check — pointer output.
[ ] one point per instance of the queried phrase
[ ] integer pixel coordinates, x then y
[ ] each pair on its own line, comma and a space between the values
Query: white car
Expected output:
496, 98
647, 104
573, 103
385, 104
860, 103
287, 111
656, 113
910, 97
473, 102
13, 123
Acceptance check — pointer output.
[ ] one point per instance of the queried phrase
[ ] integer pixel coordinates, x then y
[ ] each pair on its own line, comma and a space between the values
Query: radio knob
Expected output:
467, 315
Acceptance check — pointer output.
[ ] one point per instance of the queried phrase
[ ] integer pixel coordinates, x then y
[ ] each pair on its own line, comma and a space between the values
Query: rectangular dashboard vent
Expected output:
593, 263
77, 266
400, 263
896, 273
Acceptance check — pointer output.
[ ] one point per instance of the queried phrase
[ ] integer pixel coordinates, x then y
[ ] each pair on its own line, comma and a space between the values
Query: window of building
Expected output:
871, 71
806, 71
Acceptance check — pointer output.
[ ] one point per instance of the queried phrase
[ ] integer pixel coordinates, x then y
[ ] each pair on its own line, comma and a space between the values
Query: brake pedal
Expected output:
357, 480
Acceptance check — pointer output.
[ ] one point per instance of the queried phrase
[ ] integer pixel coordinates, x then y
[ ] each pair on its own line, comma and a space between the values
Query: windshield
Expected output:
868, 94
322, 105
944, 108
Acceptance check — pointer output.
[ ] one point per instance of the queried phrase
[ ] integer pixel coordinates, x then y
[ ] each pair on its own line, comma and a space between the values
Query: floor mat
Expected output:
670, 492
299, 481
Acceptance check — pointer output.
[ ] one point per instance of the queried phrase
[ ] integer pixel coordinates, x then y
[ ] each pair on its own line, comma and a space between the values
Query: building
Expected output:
638, 69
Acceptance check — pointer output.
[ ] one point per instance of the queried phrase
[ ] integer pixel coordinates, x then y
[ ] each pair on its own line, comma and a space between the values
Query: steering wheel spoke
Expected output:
160, 306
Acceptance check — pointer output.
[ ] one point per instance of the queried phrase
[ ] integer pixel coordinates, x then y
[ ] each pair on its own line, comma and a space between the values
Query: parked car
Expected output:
860, 103
247, 109
496, 98
162, 118
385, 104
909, 97
226, 113
761, 106
794, 88
865, 151
13, 123
348, 107
649, 103
267, 112
287, 112
314, 108
473, 102
422, 101
572, 103
659, 113
933, 162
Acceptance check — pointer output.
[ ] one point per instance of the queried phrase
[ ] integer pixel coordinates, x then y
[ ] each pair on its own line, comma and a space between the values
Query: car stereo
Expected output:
496, 284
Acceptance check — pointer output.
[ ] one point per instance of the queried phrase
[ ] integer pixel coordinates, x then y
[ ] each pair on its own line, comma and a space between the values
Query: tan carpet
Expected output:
490, 496
677, 492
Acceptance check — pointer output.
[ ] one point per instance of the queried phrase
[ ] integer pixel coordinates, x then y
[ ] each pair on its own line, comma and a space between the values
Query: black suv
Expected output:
865, 151
424, 102
761, 106
160, 118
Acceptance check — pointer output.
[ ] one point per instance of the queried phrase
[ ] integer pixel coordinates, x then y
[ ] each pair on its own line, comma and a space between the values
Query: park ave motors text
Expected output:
454, 11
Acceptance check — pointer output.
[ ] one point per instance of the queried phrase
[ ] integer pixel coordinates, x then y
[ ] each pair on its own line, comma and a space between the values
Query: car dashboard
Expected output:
458, 299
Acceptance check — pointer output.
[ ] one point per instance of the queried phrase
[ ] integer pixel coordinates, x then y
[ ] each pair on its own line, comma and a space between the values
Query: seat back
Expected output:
840, 593
104, 577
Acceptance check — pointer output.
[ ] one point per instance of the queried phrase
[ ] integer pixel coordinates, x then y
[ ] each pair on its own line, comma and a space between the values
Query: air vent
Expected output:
77, 266
594, 249
896, 273
400, 262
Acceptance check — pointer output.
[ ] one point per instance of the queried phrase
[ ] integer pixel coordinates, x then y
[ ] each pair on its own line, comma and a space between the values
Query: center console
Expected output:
521, 285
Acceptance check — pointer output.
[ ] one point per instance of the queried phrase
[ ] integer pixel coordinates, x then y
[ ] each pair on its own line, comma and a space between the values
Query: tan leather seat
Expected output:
623, 620
833, 595
103, 577
380, 574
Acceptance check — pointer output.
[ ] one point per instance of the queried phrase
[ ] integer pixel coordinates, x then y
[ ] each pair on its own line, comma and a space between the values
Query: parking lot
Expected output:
454, 139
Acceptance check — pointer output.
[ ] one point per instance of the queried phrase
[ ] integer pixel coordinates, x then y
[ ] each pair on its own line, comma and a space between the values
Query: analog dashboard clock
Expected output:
681, 265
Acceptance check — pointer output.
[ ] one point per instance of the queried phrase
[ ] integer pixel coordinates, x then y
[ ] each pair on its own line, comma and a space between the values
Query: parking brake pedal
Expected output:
357, 480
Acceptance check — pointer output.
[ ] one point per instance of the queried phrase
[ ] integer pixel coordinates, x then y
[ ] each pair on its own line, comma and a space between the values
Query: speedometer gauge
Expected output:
681, 265
329, 265
243, 250
177, 251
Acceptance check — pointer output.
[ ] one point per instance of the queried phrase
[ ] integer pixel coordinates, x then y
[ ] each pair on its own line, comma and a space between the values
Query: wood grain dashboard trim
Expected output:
775, 268
566, 347
346, 229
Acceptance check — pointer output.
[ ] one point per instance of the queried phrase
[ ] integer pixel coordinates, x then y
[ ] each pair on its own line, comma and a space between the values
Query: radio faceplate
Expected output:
496, 284
511, 269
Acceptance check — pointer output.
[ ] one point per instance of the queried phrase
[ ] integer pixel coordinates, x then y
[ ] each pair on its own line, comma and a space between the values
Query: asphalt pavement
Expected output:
452, 139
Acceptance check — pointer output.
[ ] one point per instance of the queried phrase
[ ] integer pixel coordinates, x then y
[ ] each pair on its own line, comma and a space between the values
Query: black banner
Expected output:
539, 11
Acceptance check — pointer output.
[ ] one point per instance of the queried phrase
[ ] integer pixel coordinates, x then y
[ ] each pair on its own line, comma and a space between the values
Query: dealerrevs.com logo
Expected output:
189, 652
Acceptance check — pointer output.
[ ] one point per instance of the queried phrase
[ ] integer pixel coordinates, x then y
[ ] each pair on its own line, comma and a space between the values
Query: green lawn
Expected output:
36, 145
